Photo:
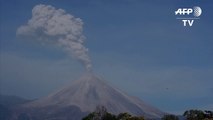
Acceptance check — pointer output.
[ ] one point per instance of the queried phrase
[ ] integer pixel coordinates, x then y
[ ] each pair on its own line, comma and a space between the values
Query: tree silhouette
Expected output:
170, 117
101, 114
194, 115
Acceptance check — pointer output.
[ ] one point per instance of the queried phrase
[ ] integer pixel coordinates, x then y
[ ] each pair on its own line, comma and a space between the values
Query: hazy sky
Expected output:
136, 45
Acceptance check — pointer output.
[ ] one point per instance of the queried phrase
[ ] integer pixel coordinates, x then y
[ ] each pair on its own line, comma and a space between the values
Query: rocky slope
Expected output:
90, 91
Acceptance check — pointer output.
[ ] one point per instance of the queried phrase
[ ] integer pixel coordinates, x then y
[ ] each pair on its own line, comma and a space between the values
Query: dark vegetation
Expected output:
198, 115
101, 114
170, 117
7, 104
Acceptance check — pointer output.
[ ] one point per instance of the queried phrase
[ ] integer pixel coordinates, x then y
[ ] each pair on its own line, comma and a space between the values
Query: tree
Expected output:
208, 115
109, 116
127, 116
89, 117
194, 115
170, 117
123, 116
101, 114
136, 118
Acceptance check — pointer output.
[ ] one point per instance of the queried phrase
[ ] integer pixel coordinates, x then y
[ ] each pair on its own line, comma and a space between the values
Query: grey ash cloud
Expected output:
49, 25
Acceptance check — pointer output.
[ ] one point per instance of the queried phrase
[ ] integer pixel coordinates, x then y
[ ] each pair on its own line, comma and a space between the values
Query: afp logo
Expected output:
188, 15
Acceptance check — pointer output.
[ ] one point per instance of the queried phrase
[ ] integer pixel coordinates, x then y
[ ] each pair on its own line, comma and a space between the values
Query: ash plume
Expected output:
49, 25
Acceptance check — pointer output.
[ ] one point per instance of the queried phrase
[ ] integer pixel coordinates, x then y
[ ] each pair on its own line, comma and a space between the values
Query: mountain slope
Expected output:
10, 101
90, 91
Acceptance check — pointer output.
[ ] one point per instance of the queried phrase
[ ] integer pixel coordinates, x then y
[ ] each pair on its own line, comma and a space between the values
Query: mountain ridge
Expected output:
90, 91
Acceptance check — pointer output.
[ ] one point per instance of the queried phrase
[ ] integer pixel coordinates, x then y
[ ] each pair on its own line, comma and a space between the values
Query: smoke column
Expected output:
49, 25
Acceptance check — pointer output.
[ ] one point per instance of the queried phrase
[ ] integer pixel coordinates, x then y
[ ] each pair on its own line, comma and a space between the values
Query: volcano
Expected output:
89, 92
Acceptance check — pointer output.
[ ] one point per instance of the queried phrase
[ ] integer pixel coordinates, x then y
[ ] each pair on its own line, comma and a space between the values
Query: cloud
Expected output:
49, 25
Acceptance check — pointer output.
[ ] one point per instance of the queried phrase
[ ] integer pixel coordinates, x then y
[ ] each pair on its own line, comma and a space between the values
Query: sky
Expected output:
137, 46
